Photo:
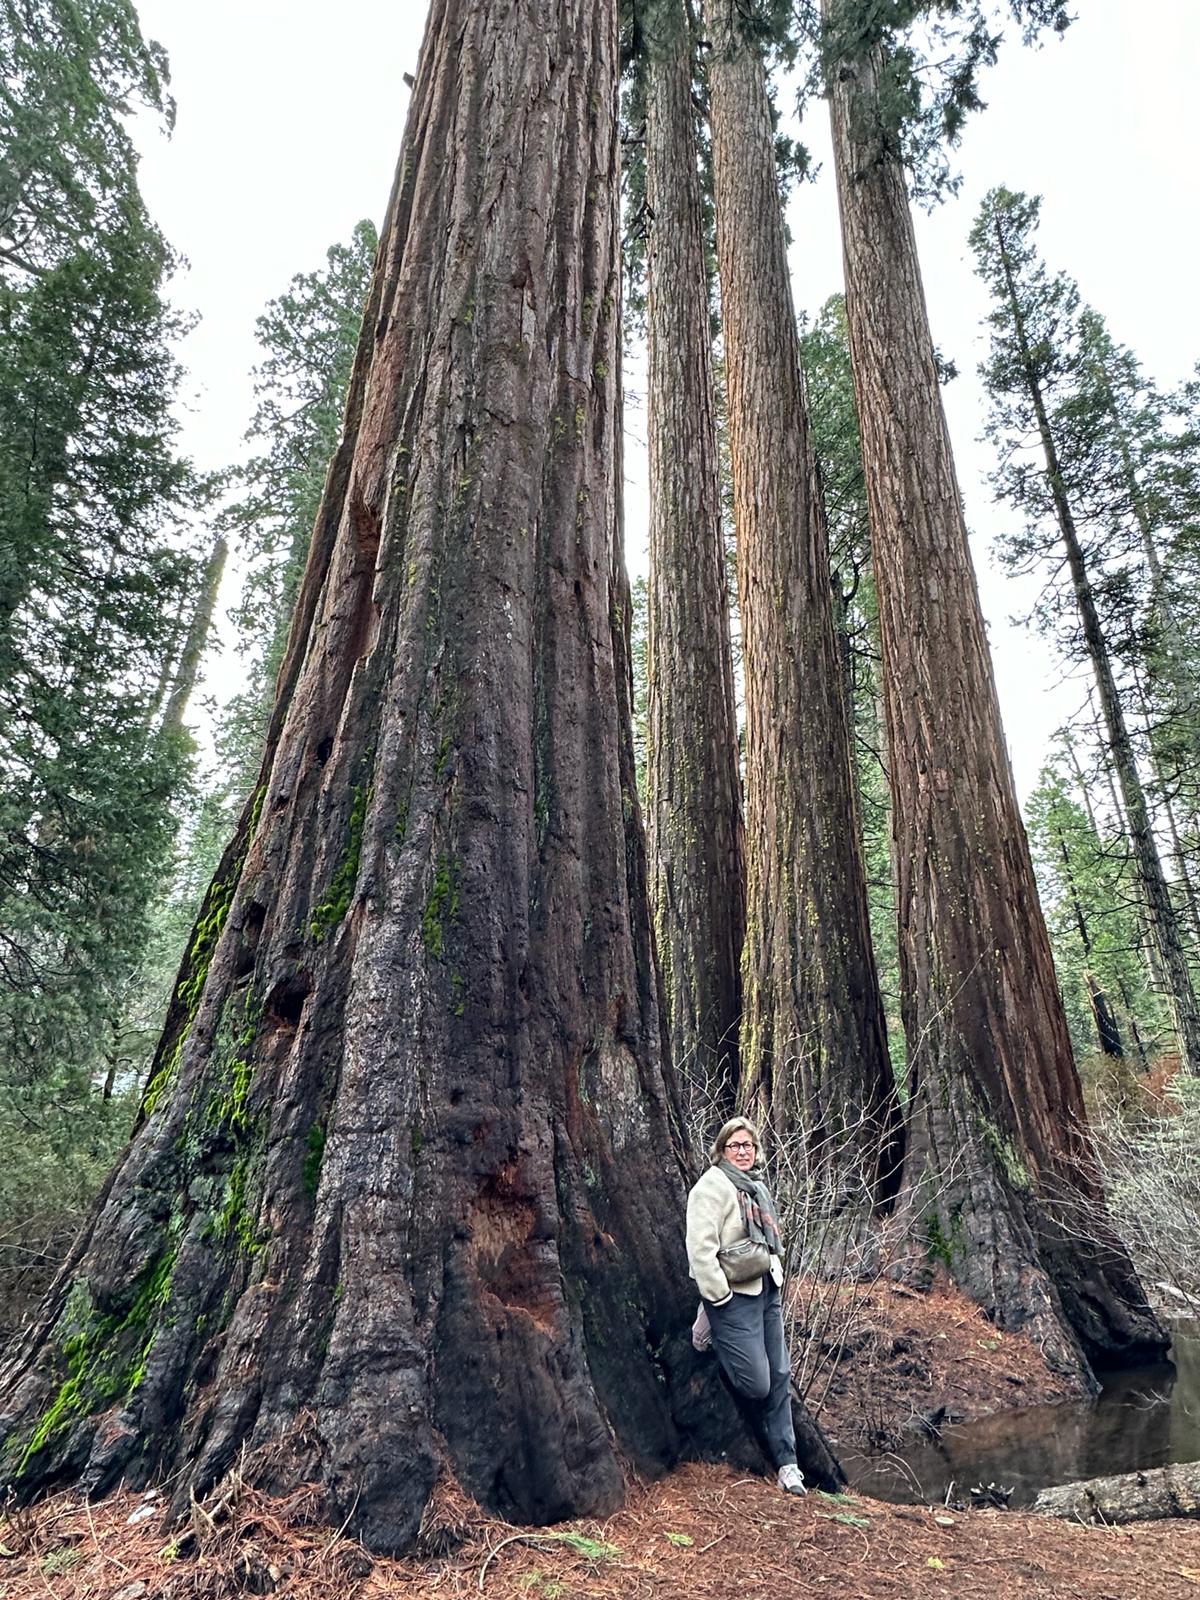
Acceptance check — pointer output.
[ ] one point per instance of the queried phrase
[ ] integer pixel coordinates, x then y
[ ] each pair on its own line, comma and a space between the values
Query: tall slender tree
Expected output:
388, 1200
94, 564
814, 1045
1140, 483
1034, 354
196, 639
693, 793
998, 1151
829, 385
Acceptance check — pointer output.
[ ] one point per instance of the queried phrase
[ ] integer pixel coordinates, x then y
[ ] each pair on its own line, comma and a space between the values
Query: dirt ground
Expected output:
880, 1360
883, 1363
703, 1533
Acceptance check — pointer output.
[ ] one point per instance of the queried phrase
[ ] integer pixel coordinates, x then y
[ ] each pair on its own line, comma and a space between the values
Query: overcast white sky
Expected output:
290, 114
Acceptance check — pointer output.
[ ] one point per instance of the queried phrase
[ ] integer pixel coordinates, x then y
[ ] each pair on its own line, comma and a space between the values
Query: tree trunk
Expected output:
1160, 913
1166, 804
1107, 1031
197, 638
1125, 997
694, 800
1132, 1497
999, 1175
1176, 658
814, 1044
406, 1192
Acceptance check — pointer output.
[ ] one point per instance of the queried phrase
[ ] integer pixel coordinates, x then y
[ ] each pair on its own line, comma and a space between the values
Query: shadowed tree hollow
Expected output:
406, 1191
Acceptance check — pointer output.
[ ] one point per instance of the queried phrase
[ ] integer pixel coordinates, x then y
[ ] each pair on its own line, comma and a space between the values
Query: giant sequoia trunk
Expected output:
406, 1191
694, 799
814, 1046
1161, 919
999, 1173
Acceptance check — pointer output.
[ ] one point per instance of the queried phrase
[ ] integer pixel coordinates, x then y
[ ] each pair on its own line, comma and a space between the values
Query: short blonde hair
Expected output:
717, 1153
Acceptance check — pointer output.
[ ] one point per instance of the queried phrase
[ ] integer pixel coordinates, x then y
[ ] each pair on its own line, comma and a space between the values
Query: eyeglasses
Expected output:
740, 1144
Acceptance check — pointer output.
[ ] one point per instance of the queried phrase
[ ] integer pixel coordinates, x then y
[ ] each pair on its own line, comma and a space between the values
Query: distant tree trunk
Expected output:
406, 1194
197, 638
1125, 997
1183, 867
1177, 660
814, 1044
999, 1172
1164, 782
1160, 913
694, 800
1107, 1031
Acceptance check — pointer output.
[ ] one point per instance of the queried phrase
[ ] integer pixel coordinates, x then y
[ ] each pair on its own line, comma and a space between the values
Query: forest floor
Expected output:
880, 1357
883, 1362
704, 1533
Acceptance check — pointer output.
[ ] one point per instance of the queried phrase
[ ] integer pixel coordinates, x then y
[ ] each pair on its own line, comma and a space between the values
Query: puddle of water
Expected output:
1146, 1418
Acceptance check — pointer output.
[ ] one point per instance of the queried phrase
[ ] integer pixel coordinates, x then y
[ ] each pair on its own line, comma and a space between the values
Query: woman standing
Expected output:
734, 1254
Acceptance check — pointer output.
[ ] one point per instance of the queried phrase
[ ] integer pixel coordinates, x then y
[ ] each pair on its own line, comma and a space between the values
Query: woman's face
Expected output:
739, 1150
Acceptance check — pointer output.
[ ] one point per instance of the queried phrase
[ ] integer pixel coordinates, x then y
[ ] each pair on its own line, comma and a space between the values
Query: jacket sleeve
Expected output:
704, 1210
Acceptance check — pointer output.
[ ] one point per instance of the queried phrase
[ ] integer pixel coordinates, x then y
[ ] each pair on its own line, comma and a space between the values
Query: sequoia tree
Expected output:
814, 1045
999, 1173
694, 798
406, 1191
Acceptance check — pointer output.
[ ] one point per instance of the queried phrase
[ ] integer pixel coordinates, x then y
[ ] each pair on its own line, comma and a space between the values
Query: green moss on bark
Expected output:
441, 908
105, 1356
315, 1143
328, 914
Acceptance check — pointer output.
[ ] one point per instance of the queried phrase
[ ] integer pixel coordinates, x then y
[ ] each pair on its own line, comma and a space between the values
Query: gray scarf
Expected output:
758, 1208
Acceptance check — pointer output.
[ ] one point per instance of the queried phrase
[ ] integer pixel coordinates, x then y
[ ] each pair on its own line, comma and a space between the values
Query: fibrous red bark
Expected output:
1000, 1179
813, 1045
694, 793
407, 1188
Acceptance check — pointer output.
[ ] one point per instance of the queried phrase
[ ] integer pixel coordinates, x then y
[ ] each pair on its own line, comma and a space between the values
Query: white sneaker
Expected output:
791, 1479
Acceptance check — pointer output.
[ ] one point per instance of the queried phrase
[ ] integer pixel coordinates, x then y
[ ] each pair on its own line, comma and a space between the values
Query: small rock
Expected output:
131, 1591
143, 1514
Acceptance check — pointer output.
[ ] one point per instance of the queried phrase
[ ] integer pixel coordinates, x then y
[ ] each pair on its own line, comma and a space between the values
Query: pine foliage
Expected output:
96, 581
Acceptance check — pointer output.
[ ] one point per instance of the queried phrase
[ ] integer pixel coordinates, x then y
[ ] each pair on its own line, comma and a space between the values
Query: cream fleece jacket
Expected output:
714, 1222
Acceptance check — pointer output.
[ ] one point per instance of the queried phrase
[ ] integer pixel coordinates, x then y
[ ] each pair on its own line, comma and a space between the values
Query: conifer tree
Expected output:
386, 1208
94, 563
1030, 376
829, 385
814, 1045
693, 791
998, 1152
307, 336
1139, 484
1087, 893
95, 568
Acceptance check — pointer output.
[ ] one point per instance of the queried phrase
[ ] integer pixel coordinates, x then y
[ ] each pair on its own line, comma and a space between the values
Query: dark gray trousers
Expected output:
747, 1334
